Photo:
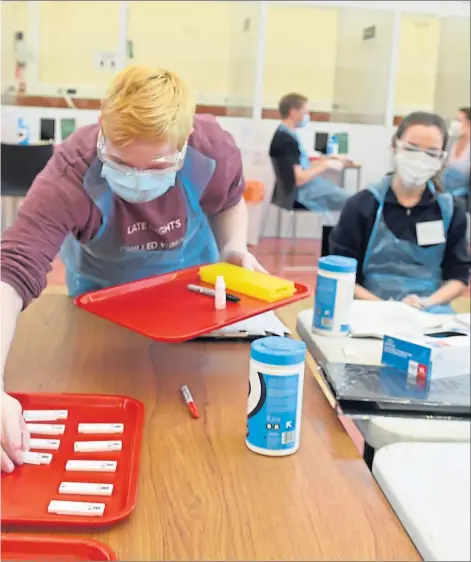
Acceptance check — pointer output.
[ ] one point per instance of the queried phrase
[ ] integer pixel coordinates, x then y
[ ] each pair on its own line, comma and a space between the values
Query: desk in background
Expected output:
202, 494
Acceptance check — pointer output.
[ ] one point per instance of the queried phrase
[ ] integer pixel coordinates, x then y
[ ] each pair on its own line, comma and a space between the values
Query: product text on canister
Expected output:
334, 295
275, 396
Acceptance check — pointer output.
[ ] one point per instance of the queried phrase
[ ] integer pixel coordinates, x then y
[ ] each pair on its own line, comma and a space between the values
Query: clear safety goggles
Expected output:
171, 163
433, 152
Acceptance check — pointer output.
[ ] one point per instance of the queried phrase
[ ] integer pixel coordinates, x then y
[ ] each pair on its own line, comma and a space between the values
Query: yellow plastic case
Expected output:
261, 286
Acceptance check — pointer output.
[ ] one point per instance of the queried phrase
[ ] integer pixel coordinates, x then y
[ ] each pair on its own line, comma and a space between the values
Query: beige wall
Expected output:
362, 68
417, 63
317, 51
70, 35
453, 74
300, 54
191, 38
241, 65
14, 17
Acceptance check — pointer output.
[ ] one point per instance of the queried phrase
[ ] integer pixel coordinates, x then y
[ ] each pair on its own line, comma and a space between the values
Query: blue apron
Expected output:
318, 195
103, 262
456, 179
456, 175
395, 268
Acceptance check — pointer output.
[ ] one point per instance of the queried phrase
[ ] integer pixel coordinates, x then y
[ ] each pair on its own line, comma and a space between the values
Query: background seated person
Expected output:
456, 175
408, 236
314, 192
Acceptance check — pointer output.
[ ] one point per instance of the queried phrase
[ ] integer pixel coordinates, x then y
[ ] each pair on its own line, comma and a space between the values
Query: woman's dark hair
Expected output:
428, 120
466, 111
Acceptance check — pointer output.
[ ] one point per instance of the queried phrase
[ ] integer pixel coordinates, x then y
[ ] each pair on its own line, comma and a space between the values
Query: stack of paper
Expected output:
262, 325
374, 319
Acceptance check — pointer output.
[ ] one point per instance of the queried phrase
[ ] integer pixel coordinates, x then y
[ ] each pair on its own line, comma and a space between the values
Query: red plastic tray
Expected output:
29, 547
27, 491
163, 309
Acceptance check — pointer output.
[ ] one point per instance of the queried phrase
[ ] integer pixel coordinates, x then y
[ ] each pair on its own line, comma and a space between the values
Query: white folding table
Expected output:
428, 486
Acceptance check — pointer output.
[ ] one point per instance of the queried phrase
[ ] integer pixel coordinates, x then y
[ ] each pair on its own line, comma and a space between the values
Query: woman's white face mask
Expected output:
415, 167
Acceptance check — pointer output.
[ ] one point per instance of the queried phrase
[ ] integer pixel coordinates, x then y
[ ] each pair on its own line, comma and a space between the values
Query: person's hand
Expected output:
14, 434
413, 300
342, 158
242, 259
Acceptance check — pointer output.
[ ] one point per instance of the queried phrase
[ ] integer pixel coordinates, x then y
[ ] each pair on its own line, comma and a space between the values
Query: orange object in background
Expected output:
254, 191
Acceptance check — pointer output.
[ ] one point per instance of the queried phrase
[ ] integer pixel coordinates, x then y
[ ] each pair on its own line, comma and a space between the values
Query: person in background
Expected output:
313, 191
456, 176
408, 236
150, 189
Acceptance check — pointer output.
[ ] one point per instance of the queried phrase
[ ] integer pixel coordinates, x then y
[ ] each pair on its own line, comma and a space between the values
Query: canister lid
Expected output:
338, 264
275, 350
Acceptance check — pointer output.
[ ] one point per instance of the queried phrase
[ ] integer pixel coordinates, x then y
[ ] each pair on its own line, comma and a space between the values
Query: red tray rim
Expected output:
104, 521
66, 541
302, 292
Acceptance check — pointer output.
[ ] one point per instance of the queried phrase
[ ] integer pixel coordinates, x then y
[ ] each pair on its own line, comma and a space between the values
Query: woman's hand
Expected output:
414, 300
242, 259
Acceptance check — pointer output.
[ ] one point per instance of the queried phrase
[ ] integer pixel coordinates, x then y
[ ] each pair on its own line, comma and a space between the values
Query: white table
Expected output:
377, 431
428, 486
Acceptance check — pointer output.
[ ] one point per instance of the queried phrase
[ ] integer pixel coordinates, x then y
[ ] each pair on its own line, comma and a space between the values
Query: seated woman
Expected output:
408, 236
456, 176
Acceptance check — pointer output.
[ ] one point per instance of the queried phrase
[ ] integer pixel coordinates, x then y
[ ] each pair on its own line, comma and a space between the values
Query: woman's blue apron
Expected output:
395, 268
104, 261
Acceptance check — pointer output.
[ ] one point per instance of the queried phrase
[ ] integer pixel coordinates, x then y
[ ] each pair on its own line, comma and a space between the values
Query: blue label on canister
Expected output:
324, 308
272, 410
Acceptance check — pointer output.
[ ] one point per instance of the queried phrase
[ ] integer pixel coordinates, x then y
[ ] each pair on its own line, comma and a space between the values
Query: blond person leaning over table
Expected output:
150, 189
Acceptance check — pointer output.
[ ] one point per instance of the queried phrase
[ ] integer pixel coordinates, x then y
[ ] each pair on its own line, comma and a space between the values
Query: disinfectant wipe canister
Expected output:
275, 396
334, 295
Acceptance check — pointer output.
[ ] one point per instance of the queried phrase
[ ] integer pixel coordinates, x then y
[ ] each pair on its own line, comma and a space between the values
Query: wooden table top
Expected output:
202, 494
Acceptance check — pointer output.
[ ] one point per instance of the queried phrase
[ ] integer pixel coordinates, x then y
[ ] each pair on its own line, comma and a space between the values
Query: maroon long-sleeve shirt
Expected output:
57, 204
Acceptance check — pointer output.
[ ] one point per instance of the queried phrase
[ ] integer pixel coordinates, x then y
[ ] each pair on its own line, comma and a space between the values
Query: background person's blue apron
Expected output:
456, 178
394, 268
103, 262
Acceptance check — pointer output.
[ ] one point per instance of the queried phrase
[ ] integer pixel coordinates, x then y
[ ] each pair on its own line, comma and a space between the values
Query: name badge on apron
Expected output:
430, 233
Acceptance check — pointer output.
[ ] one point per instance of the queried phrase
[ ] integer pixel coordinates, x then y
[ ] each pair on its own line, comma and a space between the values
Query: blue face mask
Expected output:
138, 187
306, 119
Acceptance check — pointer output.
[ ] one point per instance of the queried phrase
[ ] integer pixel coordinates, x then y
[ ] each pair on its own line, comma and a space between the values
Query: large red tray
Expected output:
30, 547
163, 309
27, 491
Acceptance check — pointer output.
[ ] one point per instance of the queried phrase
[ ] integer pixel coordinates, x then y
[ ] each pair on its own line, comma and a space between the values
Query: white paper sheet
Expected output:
263, 324
371, 319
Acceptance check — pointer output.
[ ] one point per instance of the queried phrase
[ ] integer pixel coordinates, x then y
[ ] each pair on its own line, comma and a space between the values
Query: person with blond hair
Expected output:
151, 188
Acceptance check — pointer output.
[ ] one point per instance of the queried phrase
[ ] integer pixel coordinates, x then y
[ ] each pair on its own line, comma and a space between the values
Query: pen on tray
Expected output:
190, 402
211, 292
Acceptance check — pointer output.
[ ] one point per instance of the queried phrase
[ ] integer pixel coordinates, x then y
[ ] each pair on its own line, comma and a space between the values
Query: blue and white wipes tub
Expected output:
275, 395
335, 289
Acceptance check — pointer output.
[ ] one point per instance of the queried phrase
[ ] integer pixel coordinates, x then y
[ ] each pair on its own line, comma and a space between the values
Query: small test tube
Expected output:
59, 507
45, 428
91, 466
97, 446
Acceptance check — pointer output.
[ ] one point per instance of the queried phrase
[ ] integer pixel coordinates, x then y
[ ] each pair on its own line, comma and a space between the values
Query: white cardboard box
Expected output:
426, 357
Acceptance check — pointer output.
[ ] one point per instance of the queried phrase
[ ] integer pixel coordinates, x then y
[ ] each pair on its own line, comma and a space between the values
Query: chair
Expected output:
284, 194
20, 164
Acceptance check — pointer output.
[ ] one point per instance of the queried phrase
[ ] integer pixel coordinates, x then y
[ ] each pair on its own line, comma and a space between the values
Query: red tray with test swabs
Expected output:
163, 309
27, 491
29, 547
